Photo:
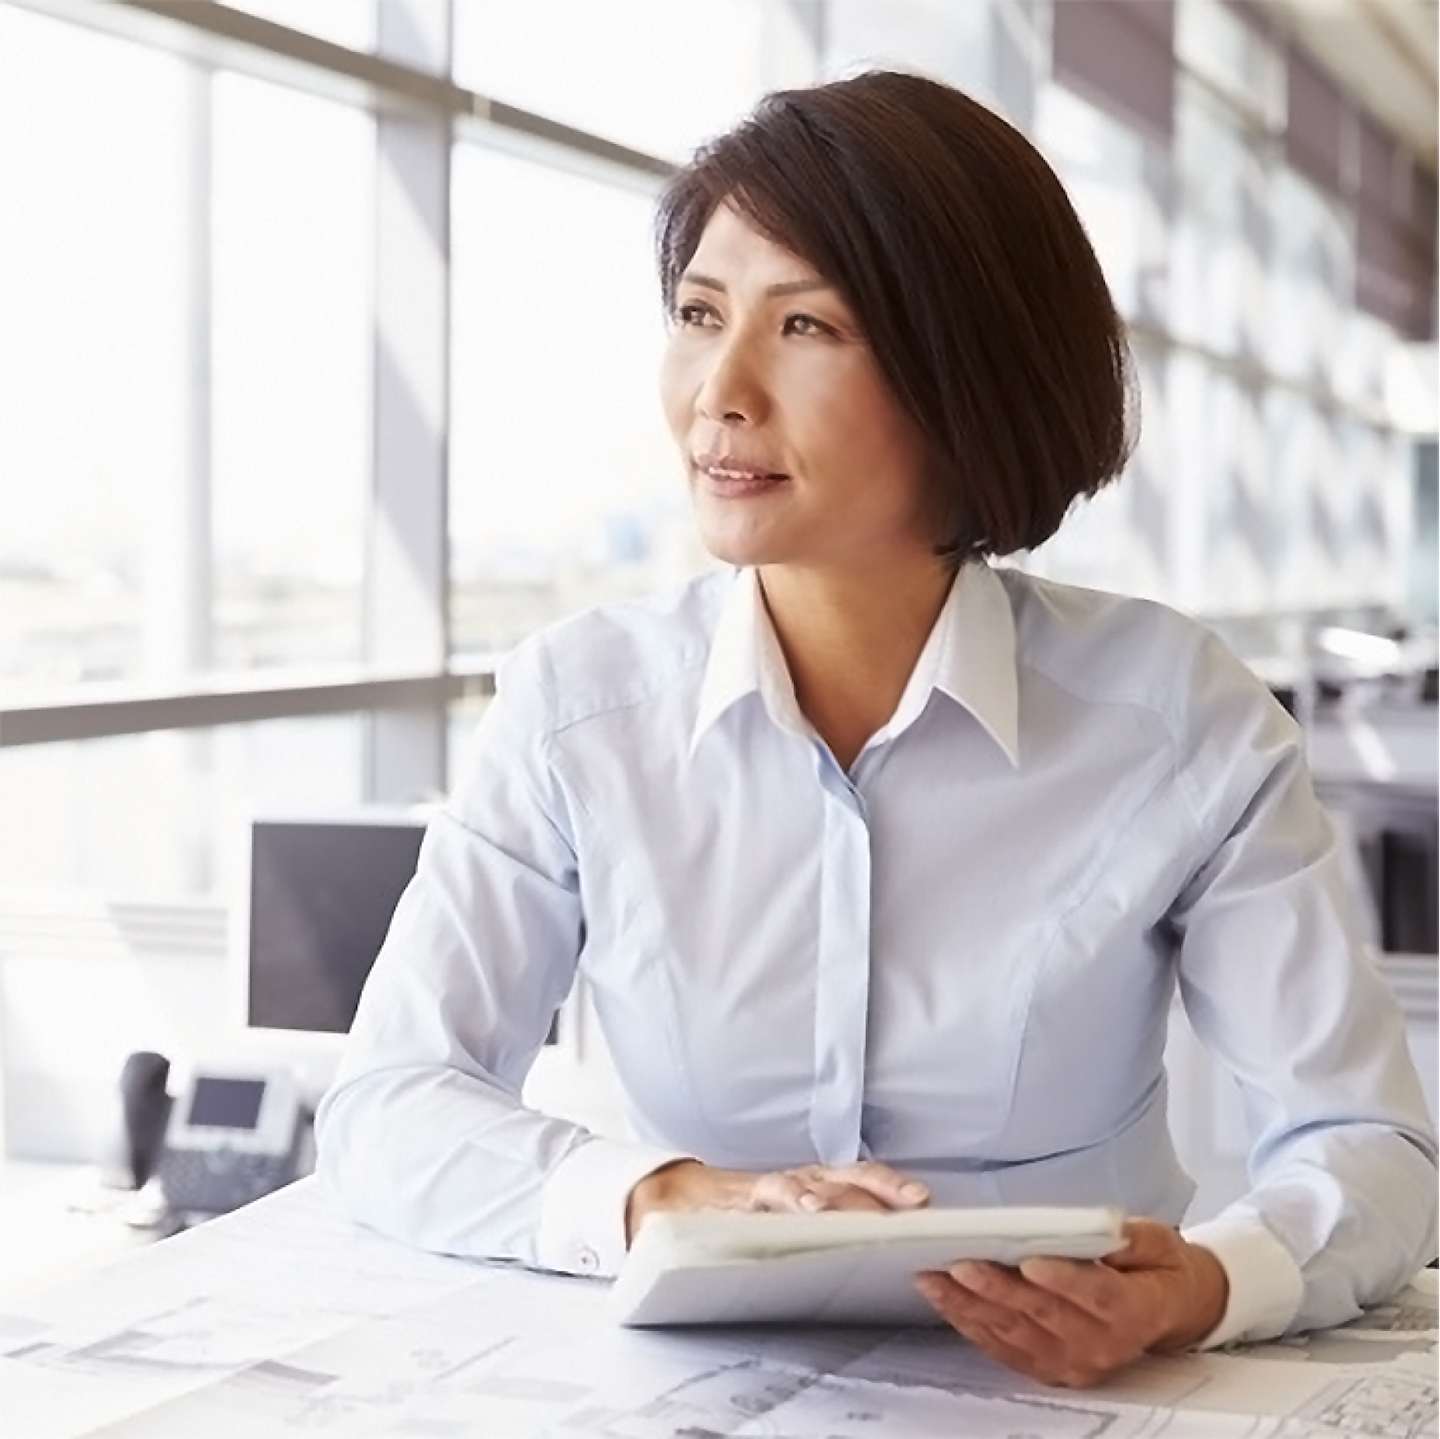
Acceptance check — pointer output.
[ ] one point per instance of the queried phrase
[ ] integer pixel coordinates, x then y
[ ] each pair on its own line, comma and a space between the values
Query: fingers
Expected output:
782, 1190
813, 1187
1055, 1314
1149, 1245
1072, 1322
895, 1190
835, 1195
1094, 1288
804, 1191
1009, 1337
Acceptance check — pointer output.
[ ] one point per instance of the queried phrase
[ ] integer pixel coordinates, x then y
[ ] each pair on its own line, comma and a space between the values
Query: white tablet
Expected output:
835, 1267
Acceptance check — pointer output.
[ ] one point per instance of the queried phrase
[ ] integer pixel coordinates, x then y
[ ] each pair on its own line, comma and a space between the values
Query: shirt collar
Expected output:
969, 656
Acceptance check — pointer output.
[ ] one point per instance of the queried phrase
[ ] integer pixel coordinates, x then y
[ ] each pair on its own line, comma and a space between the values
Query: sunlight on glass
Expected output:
93, 379
1221, 233
156, 815
564, 485
651, 74
293, 185
1112, 177
346, 22
949, 43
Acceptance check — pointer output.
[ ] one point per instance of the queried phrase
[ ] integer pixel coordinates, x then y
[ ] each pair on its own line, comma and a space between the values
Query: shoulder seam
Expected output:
557, 724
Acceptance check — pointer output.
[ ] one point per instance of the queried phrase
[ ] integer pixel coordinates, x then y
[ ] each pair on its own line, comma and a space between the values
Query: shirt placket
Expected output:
842, 981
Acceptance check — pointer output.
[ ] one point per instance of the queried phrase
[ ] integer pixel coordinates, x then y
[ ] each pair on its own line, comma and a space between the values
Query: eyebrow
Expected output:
785, 287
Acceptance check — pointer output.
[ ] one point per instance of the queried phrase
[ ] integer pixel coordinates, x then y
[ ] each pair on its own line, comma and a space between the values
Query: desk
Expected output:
283, 1320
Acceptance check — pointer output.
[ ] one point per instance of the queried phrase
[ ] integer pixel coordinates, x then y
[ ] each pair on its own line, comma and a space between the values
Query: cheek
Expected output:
675, 391
861, 435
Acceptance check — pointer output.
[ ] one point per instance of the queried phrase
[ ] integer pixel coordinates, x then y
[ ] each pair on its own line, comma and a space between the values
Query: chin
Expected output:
744, 550
749, 533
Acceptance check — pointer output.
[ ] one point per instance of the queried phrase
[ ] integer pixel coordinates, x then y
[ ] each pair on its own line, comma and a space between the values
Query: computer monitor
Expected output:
320, 896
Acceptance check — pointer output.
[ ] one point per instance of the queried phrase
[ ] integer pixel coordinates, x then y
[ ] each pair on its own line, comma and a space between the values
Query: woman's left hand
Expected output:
1073, 1322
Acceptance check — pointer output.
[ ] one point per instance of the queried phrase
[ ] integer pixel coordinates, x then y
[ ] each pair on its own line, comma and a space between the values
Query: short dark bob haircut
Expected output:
966, 266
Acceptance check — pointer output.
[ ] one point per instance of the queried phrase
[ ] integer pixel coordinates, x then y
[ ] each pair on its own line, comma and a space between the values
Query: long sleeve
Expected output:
1276, 981
423, 1135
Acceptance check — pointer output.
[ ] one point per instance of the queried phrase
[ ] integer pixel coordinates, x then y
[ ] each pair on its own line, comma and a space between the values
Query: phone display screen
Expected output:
226, 1103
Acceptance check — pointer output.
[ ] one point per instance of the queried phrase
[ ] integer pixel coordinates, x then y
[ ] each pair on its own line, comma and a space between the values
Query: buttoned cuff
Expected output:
1265, 1282
582, 1207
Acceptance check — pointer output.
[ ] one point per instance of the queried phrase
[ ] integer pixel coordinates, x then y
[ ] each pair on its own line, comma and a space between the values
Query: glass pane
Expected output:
1362, 362
1119, 184
989, 48
1310, 281
1121, 539
159, 815
948, 42
1214, 41
1302, 453
1241, 543
346, 22
565, 488
461, 718
93, 360
698, 69
1221, 230
293, 216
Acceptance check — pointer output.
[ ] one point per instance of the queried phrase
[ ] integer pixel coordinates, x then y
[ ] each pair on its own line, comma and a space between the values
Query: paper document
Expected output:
171, 1343
714, 1267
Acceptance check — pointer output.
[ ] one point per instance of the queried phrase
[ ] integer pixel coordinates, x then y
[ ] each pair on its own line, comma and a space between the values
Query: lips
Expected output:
734, 469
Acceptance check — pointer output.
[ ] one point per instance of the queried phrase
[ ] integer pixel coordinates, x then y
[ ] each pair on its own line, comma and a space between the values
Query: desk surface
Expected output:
284, 1320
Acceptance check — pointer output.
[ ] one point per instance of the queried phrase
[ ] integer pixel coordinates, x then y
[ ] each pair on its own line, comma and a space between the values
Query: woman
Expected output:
883, 864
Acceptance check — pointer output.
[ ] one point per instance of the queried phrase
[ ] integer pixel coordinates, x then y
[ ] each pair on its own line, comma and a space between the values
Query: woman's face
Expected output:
795, 450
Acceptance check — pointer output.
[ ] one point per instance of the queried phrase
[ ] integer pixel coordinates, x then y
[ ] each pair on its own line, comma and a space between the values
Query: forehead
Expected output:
731, 249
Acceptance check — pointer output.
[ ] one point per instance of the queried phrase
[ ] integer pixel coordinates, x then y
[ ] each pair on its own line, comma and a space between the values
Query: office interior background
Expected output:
328, 339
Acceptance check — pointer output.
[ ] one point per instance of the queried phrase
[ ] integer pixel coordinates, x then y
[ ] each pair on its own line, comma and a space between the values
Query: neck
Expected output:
851, 638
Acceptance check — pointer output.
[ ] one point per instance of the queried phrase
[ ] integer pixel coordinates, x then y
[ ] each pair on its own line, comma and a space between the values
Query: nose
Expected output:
732, 389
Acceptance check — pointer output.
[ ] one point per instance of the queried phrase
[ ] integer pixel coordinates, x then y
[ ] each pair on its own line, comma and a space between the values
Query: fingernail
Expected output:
966, 1272
811, 1201
913, 1191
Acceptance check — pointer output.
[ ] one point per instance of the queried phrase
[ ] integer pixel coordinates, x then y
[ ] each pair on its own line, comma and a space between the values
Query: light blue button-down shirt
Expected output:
957, 957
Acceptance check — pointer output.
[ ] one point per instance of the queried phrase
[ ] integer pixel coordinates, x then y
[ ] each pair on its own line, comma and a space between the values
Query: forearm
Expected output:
1340, 1219
446, 1161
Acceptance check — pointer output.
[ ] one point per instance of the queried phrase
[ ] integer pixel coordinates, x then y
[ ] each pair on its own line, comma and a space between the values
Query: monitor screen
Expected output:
321, 898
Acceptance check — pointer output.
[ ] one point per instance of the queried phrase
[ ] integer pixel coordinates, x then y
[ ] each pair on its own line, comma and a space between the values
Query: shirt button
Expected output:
588, 1260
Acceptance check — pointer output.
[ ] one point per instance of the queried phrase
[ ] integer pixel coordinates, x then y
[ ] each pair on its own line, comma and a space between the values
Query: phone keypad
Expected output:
216, 1181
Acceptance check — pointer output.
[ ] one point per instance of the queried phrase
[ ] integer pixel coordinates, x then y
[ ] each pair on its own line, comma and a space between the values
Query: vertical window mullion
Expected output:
406, 570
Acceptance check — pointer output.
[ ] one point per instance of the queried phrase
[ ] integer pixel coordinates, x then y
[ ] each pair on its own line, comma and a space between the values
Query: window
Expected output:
989, 50
345, 22
948, 42
1311, 271
1118, 182
1220, 234
1124, 539
158, 815
93, 345
1302, 454
653, 75
292, 365
565, 488
1213, 41
462, 716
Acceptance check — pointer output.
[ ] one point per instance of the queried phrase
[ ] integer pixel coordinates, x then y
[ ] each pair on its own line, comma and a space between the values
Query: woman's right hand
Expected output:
688, 1184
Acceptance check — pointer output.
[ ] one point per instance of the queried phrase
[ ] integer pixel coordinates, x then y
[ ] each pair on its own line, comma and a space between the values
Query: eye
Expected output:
805, 325
693, 314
